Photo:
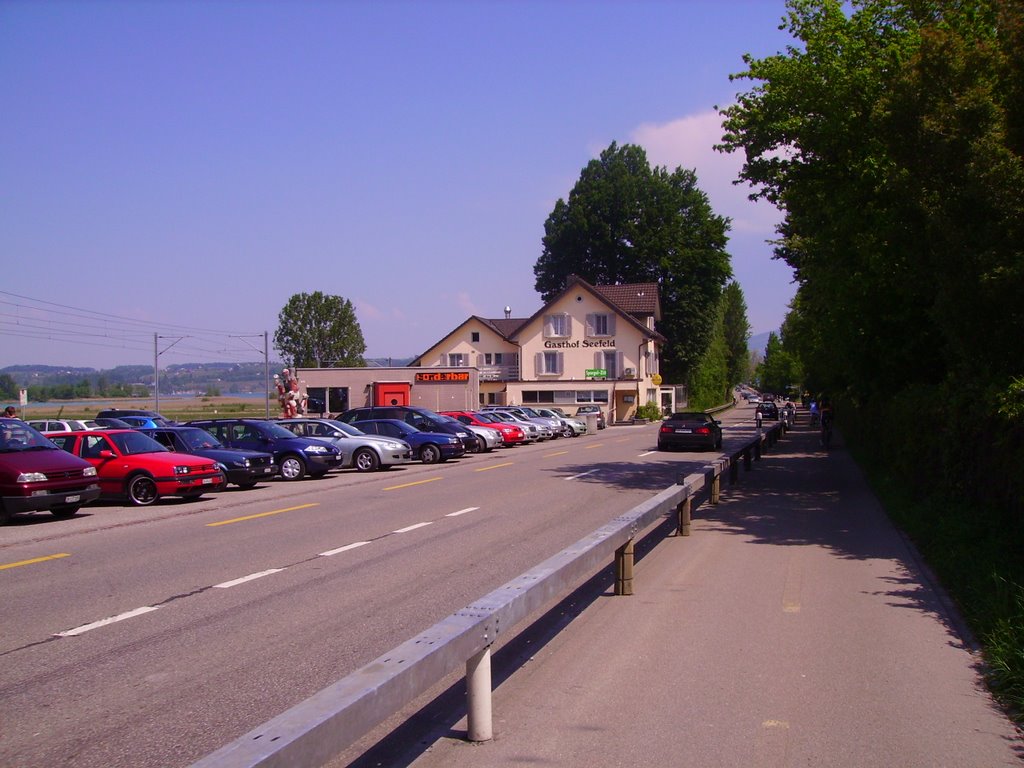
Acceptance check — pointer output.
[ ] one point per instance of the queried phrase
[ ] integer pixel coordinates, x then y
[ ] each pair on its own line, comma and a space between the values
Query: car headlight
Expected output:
393, 446
315, 449
31, 477
89, 471
182, 470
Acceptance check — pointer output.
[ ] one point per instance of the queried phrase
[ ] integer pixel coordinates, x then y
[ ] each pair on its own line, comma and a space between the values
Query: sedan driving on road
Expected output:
690, 430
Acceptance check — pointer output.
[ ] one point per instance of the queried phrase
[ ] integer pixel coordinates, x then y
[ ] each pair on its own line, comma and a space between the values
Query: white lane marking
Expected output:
412, 527
462, 511
581, 474
104, 622
346, 548
250, 577
646, 453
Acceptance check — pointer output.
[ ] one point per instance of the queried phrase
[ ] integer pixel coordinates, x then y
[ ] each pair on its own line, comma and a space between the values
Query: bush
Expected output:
649, 411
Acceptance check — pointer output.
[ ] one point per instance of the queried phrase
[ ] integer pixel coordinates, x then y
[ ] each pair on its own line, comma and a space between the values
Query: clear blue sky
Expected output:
183, 168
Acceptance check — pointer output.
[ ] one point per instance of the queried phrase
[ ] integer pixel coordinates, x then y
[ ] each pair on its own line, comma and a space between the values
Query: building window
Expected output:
458, 359
557, 326
600, 324
549, 363
474, 336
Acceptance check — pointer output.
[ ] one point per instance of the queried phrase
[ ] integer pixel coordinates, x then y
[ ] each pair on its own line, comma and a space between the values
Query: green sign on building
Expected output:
597, 373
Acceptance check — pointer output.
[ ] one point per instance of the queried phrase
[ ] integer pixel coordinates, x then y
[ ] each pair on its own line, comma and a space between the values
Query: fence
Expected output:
312, 732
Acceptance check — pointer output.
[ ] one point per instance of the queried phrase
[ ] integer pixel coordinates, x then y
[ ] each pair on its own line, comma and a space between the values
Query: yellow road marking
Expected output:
556, 453
261, 514
595, 445
495, 466
34, 560
409, 485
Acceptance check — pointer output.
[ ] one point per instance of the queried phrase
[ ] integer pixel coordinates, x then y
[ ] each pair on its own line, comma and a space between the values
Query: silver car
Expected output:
363, 452
571, 426
537, 431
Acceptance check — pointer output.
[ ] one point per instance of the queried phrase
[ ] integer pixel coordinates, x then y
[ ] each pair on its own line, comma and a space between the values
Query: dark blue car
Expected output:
241, 467
430, 447
297, 457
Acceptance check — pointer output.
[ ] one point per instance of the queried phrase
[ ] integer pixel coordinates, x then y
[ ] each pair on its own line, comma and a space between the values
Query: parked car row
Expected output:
139, 457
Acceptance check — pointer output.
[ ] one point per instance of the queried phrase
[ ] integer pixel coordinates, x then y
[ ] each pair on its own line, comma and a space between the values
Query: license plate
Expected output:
265, 470
70, 499
685, 431
207, 481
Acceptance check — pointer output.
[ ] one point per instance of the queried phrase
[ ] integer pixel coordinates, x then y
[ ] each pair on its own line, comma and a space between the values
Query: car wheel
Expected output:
293, 467
365, 460
430, 454
141, 490
62, 513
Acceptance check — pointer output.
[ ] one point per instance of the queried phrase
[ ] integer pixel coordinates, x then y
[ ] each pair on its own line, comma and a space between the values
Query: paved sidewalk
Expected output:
793, 628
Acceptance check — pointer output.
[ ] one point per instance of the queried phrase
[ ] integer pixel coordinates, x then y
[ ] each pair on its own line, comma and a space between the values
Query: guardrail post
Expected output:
716, 488
746, 458
683, 510
757, 449
478, 697
734, 470
624, 569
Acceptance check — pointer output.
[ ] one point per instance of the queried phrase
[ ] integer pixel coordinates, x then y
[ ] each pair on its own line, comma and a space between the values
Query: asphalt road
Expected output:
150, 637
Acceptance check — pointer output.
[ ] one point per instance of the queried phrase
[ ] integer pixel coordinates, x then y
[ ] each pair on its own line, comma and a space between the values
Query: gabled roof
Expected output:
643, 295
634, 298
631, 300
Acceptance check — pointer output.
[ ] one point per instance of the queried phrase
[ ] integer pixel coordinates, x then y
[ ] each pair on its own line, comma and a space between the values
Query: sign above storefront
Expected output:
443, 377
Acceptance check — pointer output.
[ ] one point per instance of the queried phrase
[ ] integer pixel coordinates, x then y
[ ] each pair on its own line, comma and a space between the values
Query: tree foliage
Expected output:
892, 137
736, 330
626, 222
709, 384
319, 330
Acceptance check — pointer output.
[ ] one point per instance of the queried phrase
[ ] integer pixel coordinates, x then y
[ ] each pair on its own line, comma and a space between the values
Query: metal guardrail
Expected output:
314, 731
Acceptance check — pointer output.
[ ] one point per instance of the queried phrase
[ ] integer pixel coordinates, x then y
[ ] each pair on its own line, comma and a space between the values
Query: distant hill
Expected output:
759, 341
178, 378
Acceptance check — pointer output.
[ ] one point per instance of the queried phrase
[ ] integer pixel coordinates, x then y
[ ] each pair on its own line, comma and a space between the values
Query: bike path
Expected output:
794, 627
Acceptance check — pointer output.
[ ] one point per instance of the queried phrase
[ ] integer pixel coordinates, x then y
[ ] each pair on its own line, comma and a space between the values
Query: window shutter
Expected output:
611, 324
590, 324
547, 326
561, 364
538, 362
599, 359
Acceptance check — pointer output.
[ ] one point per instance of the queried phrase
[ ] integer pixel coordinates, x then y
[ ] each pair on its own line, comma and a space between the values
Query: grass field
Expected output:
176, 408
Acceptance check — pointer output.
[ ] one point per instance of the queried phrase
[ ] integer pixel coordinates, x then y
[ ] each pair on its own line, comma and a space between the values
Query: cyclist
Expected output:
827, 417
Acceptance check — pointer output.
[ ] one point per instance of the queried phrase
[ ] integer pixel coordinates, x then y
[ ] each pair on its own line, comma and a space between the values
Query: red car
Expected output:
510, 433
134, 466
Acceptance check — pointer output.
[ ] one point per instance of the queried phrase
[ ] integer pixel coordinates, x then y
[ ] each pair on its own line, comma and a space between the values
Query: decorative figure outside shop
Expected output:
288, 394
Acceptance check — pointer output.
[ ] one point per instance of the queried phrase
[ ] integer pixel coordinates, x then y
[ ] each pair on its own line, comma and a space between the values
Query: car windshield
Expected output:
19, 436
449, 420
135, 442
275, 431
197, 439
348, 429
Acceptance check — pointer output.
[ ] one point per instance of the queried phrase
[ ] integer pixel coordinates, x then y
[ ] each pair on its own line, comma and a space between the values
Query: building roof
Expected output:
634, 298
631, 300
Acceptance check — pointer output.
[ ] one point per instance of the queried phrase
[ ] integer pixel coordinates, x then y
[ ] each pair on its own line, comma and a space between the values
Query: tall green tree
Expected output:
319, 330
8, 387
736, 332
709, 384
627, 222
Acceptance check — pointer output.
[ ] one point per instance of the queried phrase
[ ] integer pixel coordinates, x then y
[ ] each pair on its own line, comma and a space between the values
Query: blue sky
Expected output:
183, 168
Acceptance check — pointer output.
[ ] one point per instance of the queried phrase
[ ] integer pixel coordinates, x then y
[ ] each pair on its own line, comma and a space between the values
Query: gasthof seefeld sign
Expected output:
569, 344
